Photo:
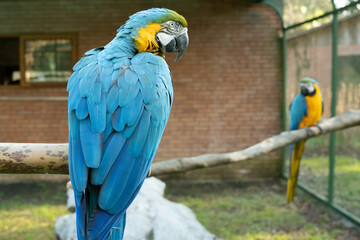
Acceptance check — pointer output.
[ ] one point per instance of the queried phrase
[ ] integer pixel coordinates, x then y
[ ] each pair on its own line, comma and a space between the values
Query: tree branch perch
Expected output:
52, 158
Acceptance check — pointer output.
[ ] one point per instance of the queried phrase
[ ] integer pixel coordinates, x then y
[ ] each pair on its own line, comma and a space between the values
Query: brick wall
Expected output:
227, 86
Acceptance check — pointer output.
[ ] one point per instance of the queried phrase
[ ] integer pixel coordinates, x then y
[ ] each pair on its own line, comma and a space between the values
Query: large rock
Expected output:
65, 227
150, 217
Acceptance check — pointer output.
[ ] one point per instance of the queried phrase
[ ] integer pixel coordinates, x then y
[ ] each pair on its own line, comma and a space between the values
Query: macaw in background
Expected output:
120, 97
305, 111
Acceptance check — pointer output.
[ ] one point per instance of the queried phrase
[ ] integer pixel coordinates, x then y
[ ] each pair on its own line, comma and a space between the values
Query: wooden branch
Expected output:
52, 158
33, 158
349, 119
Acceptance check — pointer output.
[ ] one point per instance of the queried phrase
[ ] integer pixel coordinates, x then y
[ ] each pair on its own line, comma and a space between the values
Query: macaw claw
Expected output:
320, 128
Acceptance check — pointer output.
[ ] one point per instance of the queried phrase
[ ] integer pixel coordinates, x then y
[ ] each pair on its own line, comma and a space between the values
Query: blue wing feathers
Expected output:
129, 130
298, 110
116, 179
97, 114
137, 177
91, 144
118, 109
112, 151
115, 75
74, 99
120, 64
126, 95
88, 75
112, 97
82, 110
116, 122
131, 113
80, 181
150, 141
109, 129
76, 157
85, 61
73, 80
130, 78
137, 140
96, 93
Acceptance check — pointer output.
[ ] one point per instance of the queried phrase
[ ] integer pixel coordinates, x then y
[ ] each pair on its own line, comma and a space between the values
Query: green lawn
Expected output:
314, 173
252, 211
231, 210
28, 209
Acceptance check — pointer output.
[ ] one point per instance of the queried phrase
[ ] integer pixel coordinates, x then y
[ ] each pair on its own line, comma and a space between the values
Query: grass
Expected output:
29, 209
258, 211
231, 210
314, 173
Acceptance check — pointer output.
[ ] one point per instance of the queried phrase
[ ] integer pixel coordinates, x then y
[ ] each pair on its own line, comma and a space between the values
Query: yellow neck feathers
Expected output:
146, 40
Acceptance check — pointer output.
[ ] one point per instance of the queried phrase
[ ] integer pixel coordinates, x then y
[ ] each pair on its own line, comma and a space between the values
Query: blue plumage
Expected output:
119, 104
298, 110
305, 111
112, 151
82, 110
91, 144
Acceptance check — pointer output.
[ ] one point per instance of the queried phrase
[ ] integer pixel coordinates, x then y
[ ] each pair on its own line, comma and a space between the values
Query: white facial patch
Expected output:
310, 87
164, 38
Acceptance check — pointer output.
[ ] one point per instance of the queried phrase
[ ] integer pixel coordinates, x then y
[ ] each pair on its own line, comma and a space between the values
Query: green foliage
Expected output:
296, 11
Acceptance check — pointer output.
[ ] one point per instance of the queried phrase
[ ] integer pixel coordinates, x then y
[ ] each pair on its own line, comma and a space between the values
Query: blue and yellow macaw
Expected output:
305, 111
120, 97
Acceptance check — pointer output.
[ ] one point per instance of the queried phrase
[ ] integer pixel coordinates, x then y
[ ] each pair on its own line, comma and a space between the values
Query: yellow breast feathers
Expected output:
314, 109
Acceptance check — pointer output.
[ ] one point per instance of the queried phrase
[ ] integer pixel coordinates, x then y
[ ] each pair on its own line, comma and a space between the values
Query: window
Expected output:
9, 61
43, 60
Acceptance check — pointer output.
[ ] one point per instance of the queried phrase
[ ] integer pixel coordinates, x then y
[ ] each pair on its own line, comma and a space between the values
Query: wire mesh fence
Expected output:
310, 52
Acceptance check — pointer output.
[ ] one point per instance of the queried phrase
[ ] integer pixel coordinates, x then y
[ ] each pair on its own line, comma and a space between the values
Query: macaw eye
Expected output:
172, 25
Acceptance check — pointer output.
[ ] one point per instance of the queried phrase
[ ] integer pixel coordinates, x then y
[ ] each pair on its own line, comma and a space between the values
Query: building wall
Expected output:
227, 86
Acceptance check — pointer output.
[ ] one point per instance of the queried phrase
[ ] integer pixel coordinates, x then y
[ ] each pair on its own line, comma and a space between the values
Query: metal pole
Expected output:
334, 81
284, 119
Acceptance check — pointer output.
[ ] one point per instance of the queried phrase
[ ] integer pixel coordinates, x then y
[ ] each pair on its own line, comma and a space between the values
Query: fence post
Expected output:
284, 113
334, 82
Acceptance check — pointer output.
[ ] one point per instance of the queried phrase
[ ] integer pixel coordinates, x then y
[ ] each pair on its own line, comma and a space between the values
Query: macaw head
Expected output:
307, 87
159, 30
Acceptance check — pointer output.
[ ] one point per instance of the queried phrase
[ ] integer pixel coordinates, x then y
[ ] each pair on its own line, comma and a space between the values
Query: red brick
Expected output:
227, 87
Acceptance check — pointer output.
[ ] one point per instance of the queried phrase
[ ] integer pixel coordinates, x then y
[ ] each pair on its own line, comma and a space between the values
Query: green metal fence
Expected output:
327, 48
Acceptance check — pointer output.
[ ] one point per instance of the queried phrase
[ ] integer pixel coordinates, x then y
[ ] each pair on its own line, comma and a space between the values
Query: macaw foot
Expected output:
309, 133
149, 173
320, 128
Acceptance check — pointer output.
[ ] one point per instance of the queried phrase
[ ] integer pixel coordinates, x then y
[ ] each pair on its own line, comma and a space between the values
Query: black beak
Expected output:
304, 91
175, 44
182, 42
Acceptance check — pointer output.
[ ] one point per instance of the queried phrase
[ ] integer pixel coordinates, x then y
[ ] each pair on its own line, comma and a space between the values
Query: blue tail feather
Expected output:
103, 225
80, 207
94, 223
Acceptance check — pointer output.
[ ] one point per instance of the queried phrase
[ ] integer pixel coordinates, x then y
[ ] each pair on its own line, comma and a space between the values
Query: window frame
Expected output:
22, 38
